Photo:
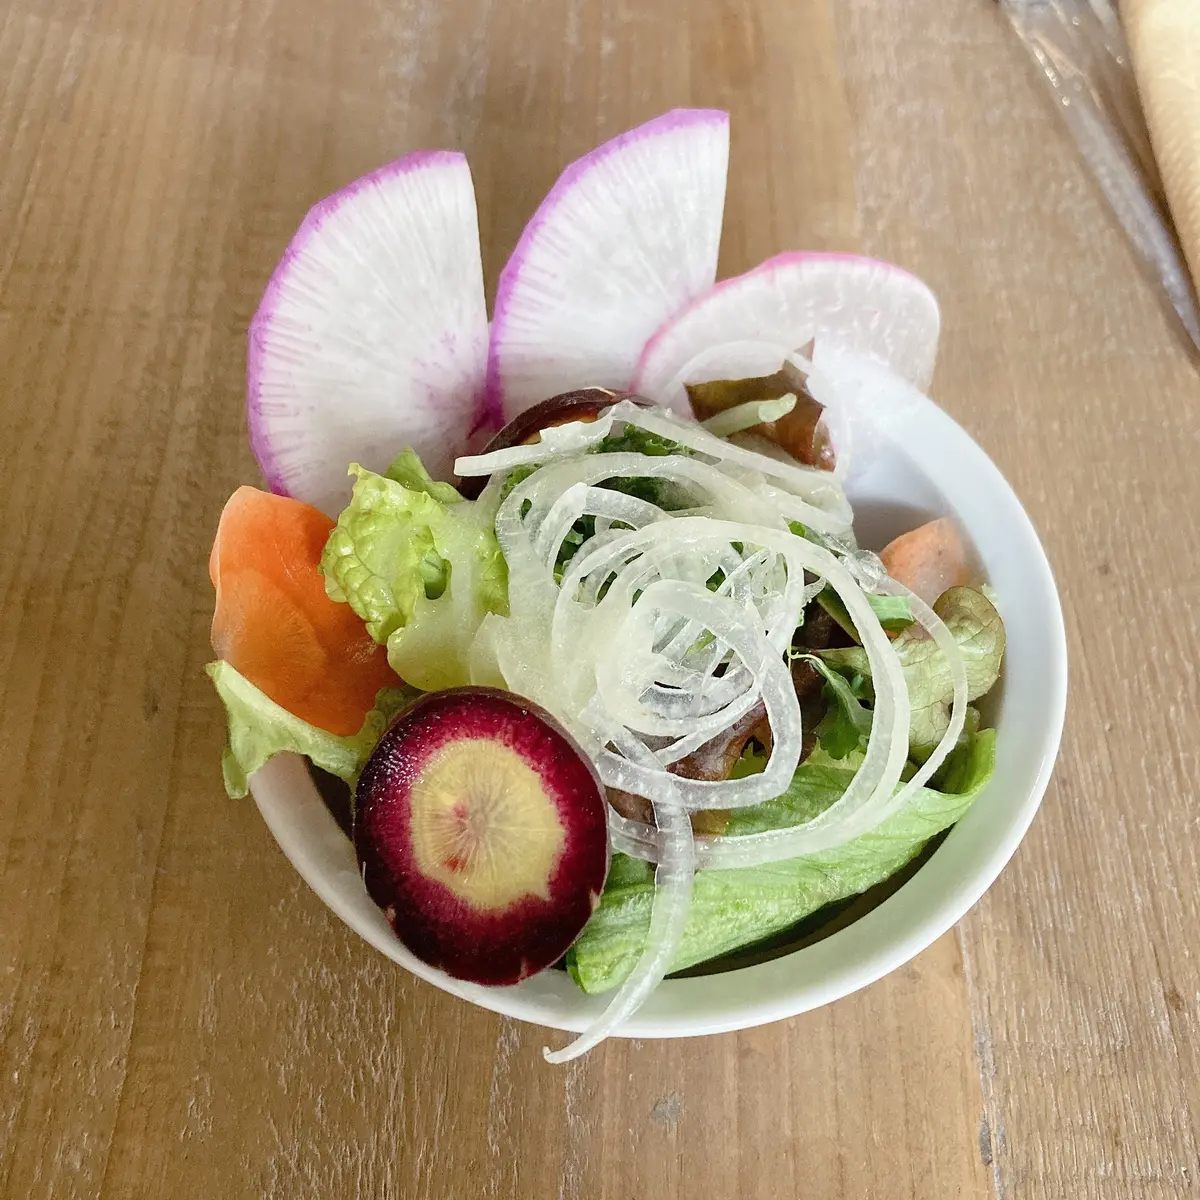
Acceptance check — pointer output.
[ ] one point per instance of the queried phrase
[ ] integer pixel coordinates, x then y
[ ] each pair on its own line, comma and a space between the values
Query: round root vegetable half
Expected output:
480, 828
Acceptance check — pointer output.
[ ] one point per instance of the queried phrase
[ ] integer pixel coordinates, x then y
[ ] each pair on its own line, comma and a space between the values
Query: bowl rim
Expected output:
903, 925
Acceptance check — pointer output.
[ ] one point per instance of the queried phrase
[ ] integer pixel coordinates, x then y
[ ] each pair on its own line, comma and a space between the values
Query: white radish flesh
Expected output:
626, 238
856, 305
372, 334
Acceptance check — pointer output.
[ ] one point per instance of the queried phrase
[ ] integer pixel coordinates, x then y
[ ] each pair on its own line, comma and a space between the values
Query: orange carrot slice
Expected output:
928, 559
275, 625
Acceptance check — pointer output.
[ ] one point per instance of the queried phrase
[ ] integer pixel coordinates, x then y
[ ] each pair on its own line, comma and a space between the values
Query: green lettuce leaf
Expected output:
382, 554
894, 612
259, 728
408, 470
663, 493
432, 650
420, 565
972, 617
753, 761
734, 909
635, 440
975, 625
960, 771
846, 724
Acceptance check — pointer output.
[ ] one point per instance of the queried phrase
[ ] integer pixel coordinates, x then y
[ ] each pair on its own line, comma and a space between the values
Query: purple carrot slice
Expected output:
480, 830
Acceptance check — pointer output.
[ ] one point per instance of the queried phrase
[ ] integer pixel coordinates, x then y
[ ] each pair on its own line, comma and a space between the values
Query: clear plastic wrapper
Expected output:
1081, 52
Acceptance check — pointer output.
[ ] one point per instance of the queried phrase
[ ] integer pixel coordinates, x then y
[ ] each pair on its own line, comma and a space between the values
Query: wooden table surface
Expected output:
179, 1016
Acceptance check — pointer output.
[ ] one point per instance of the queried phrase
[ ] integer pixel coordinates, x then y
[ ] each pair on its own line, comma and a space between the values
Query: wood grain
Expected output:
1080, 961
179, 1016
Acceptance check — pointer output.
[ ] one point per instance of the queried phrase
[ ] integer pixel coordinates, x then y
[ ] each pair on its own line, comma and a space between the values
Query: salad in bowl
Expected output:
574, 601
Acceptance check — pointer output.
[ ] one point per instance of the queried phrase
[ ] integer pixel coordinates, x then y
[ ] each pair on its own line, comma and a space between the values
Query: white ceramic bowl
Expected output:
935, 470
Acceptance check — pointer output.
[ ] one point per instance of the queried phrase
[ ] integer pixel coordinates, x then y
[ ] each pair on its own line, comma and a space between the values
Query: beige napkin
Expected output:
1164, 41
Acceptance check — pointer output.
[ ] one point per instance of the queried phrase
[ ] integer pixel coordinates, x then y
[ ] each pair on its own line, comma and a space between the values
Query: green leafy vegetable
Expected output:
634, 440
846, 724
382, 554
433, 648
420, 565
959, 773
664, 493
753, 761
259, 729
631, 440
408, 470
515, 476
975, 625
734, 909
894, 612
973, 619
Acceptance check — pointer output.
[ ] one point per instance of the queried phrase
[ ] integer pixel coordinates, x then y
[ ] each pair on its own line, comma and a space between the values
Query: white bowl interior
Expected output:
889, 496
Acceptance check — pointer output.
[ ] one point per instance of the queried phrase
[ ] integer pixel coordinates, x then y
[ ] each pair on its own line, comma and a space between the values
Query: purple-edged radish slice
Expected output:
839, 301
627, 236
372, 334
481, 832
